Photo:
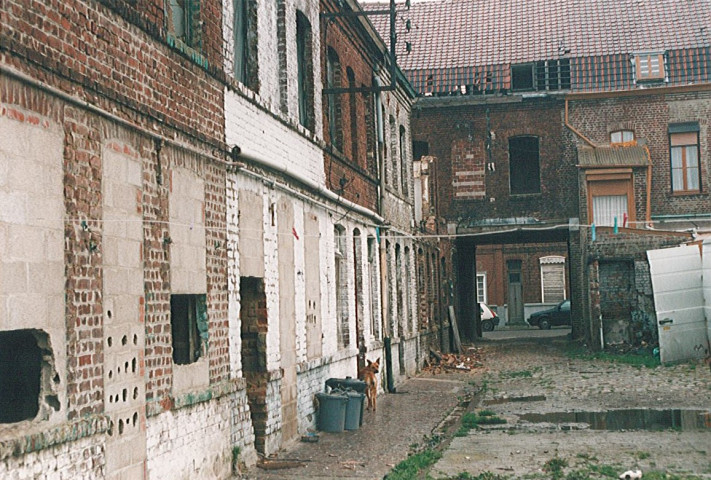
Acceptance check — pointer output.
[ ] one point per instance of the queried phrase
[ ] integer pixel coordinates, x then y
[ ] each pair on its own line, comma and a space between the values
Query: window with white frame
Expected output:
684, 152
552, 279
649, 66
621, 136
481, 288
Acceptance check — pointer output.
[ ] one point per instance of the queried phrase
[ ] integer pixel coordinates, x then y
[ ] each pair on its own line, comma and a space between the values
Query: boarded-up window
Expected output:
552, 279
649, 66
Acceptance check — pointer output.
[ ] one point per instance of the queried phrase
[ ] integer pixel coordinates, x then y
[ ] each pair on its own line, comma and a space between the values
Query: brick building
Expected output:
182, 264
546, 118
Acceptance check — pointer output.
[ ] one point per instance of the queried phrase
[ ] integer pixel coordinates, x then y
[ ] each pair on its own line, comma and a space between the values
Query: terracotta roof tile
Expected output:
449, 33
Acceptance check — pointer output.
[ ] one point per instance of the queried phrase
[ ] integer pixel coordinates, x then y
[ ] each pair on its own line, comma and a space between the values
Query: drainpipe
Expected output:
575, 130
648, 218
384, 298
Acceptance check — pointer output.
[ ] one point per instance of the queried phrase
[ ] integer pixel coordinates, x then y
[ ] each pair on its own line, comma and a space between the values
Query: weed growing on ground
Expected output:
555, 467
644, 359
410, 468
473, 419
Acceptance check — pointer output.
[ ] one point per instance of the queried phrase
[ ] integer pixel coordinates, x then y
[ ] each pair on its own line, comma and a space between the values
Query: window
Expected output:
184, 17
621, 136
304, 70
541, 76
610, 197
188, 319
245, 48
353, 116
553, 75
684, 146
524, 169
481, 295
20, 374
522, 77
403, 160
394, 169
333, 107
649, 66
552, 279
343, 332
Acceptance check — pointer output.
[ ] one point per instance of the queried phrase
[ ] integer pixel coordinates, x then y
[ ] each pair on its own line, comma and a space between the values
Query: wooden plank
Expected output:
455, 329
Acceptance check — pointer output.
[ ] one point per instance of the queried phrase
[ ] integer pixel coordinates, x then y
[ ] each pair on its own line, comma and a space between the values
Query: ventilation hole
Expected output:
135, 339
121, 427
109, 314
111, 399
133, 365
125, 367
124, 340
124, 393
118, 369
111, 374
109, 341
135, 393
135, 418
111, 428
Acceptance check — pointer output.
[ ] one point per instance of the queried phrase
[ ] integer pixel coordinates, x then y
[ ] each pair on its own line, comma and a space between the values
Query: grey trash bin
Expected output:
354, 410
331, 411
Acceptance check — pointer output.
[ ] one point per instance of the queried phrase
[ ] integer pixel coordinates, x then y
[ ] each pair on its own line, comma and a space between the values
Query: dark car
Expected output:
558, 315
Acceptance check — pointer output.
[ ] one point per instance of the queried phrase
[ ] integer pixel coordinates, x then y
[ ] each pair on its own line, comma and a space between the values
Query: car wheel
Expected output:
487, 325
544, 324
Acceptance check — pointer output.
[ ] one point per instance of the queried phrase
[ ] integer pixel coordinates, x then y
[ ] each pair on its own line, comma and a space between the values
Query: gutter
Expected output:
317, 188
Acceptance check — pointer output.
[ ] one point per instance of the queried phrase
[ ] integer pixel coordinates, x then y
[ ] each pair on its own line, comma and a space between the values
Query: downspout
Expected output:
575, 130
384, 300
648, 216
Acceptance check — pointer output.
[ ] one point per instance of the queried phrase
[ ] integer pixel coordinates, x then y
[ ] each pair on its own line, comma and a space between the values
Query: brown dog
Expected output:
369, 375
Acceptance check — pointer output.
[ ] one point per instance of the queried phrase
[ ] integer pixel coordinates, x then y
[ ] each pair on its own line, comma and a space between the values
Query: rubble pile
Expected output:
439, 362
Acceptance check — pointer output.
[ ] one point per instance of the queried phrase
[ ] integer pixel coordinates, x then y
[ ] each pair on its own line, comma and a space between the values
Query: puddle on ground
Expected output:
631, 419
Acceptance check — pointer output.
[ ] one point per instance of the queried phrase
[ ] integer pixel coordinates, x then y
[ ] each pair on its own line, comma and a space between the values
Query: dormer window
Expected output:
649, 66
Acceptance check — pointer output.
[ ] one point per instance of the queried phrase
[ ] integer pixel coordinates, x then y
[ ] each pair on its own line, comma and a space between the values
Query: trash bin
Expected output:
354, 410
332, 411
347, 383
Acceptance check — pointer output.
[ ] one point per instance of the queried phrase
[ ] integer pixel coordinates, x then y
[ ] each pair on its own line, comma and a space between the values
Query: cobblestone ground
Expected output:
536, 376
523, 372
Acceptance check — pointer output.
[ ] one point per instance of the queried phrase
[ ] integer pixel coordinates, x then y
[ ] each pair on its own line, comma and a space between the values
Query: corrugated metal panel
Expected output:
677, 284
612, 157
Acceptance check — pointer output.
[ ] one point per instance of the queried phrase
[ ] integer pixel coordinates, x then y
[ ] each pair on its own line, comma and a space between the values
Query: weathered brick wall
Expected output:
118, 55
649, 117
82, 459
458, 136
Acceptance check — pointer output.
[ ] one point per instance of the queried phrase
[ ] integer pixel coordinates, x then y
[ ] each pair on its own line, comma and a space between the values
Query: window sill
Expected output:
186, 50
524, 196
688, 193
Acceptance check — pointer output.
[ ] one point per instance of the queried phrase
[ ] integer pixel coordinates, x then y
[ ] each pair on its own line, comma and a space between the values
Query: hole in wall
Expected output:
135, 339
133, 365
109, 314
120, 429
135, 393
109, 341
124, 340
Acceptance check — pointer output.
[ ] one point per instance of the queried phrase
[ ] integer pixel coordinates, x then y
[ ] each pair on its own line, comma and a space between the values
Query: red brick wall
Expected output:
114, 54
354, 52
85, 46
466, 128
649, 117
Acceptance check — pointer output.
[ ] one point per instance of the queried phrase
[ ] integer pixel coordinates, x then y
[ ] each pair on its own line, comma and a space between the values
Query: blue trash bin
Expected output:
332, 411
354, 410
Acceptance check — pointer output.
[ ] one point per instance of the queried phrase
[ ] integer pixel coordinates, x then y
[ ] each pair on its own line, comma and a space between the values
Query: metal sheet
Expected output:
678, 287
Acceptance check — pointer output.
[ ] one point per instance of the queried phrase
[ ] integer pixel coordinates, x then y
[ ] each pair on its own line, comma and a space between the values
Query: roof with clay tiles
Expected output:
463, 34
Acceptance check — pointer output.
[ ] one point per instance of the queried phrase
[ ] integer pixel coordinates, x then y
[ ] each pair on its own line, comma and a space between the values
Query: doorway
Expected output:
515, 292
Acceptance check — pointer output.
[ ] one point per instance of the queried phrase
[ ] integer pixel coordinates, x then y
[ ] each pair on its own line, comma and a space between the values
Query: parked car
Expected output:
489, 319
558, 315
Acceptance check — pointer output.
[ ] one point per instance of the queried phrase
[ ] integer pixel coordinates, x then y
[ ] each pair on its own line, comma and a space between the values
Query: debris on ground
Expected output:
631, 475
439, 362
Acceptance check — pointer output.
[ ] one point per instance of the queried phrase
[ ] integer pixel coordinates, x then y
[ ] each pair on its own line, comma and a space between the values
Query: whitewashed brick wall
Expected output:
191, 442
83, 459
